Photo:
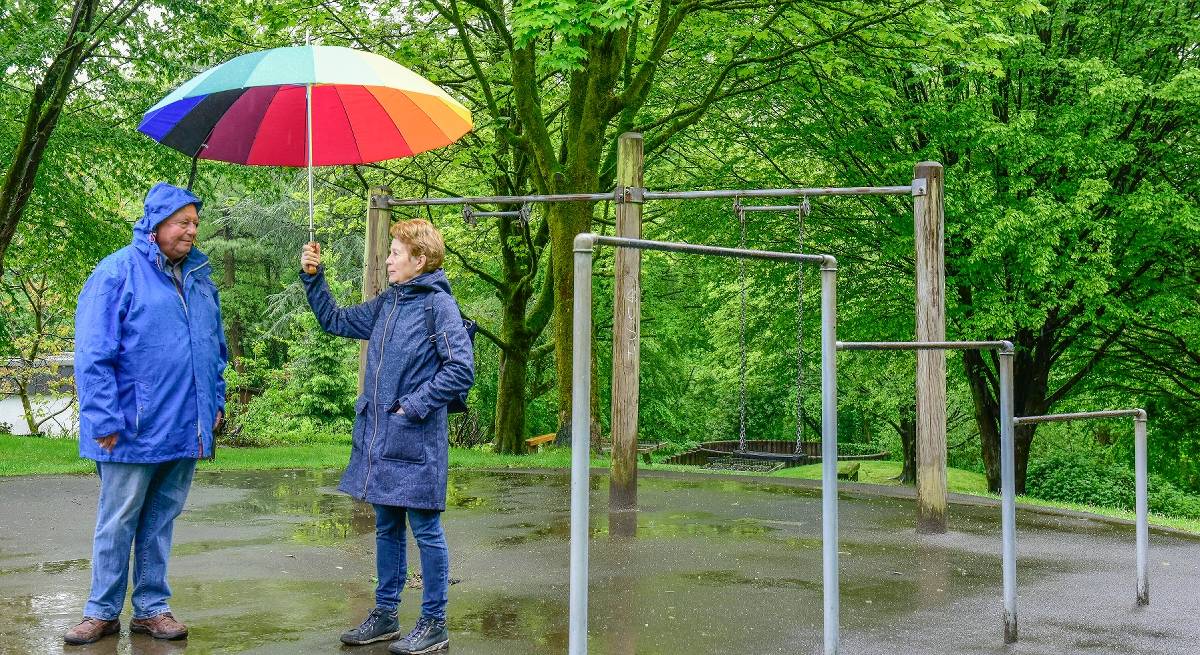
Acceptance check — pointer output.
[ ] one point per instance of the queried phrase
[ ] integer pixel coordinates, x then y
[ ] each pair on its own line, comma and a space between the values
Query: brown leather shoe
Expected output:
90, 630
163, 626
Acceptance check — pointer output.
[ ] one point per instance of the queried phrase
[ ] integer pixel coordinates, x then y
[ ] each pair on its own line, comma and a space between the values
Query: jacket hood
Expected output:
161, 201
435, 280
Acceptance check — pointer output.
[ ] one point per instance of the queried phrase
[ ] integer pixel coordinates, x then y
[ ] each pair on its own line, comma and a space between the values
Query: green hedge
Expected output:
1083, 478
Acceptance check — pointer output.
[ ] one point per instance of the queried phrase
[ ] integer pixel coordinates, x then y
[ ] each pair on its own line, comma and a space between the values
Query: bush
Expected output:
858, 448
311, 400
1082, 478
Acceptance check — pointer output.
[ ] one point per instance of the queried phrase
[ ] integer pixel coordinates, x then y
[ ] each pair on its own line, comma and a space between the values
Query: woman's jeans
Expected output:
391, 557
138, 506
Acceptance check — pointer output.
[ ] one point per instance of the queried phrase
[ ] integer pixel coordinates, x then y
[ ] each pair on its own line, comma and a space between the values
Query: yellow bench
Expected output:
533, 443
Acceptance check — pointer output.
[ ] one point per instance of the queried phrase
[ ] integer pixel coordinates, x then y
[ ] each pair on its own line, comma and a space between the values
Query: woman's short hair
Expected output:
422, 238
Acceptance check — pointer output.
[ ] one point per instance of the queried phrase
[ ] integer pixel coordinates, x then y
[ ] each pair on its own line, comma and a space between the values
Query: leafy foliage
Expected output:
1079, 478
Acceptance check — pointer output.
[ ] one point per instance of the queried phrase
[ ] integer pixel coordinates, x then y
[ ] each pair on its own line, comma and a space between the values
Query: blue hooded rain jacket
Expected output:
401, 459
148, 360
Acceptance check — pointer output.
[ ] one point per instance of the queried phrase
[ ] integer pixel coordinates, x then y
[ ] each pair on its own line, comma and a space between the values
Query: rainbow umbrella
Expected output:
304, 106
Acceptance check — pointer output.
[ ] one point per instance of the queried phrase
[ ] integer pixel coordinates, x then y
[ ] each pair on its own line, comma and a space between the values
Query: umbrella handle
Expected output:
316, 248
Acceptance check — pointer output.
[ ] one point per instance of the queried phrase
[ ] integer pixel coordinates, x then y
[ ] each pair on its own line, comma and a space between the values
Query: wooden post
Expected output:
928, 233
627, 314
375, 252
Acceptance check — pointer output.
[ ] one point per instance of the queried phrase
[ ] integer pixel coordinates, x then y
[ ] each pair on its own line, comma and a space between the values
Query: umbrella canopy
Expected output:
252, 110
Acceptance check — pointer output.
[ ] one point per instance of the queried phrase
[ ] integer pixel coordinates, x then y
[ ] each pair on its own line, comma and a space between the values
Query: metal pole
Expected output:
312, 235
1008, 493
1143, 529
829, 485
923, 345
580, 444
671, 246
1139, 465
1075, 416
781, 193
636, 193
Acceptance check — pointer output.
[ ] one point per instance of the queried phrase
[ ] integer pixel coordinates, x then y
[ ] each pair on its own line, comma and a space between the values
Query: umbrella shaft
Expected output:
309, 147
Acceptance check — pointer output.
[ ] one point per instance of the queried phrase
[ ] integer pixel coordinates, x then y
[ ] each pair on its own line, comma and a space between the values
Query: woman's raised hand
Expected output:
310, 257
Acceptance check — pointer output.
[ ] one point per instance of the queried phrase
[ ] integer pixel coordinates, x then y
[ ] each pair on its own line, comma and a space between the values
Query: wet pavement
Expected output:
279, 562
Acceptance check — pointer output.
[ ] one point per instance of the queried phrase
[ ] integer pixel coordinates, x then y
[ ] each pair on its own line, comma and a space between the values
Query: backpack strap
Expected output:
430, 322
430, 332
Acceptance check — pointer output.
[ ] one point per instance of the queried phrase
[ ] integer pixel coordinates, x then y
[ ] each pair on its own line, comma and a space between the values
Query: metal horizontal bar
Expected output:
771, 208
1139, 414
657, 195
1004, 346
782, 193
500, 200
586, 241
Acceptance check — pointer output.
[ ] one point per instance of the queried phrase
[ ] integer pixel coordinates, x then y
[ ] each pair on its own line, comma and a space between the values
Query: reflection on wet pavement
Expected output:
280, 562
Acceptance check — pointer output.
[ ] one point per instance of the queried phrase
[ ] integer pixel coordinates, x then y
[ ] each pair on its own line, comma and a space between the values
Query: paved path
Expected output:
279, 562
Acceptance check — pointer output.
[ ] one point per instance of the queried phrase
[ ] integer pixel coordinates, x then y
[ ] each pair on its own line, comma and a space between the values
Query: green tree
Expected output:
1067, 132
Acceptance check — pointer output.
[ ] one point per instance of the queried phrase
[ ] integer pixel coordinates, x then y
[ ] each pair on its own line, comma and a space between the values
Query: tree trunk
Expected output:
233, 330
45, 108
1029, 400
510, 402
567, 220
27, 407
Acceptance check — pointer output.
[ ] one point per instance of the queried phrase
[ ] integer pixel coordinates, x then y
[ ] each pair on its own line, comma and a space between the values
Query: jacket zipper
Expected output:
199, 427
375, 394
187, 317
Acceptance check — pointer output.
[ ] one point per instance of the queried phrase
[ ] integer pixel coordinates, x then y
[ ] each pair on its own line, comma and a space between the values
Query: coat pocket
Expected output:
405, 439
141, 413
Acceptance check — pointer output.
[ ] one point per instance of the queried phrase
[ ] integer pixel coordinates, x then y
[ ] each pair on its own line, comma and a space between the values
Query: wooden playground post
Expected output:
627, 311
375, 252
928, 233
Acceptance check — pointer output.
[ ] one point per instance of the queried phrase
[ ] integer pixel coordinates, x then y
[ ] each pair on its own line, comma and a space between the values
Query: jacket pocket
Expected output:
141, 394
405, 440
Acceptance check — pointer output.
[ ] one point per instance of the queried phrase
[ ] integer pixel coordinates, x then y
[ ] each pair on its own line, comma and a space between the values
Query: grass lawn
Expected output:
38, 456
884, 472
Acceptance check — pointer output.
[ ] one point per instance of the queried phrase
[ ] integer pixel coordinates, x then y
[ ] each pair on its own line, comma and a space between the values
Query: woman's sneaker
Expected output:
428, 635
380, 625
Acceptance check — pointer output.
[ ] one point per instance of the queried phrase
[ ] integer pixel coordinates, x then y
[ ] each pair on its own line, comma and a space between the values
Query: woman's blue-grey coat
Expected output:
149, 358
401, 458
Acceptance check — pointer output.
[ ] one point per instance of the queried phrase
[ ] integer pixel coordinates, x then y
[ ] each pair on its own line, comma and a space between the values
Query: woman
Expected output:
398, 461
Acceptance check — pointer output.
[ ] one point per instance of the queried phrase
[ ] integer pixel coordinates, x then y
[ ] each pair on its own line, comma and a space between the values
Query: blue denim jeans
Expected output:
138, 506
391, 557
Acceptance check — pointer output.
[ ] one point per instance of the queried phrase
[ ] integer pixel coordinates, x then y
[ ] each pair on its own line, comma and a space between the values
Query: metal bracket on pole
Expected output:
920, 187
381, 201
469, 216
631, 194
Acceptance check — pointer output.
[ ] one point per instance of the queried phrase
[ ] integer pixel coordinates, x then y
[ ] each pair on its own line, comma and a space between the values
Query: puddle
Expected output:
280, 562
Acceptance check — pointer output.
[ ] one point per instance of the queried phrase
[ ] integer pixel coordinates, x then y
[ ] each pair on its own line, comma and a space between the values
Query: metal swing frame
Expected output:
581, 419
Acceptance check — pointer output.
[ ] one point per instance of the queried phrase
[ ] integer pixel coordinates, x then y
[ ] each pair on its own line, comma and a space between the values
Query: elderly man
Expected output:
149, 359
